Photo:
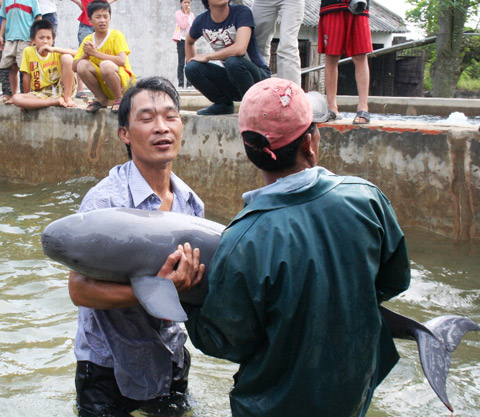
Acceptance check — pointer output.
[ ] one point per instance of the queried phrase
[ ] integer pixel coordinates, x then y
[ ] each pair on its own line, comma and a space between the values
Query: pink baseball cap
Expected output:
277, 109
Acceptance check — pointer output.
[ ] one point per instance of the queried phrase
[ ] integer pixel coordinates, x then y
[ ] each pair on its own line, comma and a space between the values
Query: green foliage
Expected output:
471, 54
424, 13
427, 79
468, 83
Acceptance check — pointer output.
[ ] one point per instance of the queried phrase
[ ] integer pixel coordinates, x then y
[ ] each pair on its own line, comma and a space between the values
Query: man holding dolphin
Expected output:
127, 359
296, 281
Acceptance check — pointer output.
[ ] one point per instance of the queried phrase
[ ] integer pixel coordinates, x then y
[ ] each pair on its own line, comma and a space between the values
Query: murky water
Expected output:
38, 320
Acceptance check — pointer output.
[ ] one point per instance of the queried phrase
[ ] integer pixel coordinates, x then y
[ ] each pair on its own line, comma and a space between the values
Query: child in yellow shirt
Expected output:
48, 77
102, 60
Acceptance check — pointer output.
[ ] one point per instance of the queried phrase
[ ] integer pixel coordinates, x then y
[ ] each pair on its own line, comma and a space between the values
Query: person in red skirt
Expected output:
344, 29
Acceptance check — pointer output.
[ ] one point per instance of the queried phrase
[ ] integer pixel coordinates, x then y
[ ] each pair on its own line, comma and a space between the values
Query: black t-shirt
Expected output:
223, 34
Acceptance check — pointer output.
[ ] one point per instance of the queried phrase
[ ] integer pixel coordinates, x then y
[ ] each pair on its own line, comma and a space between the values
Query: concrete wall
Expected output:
430, 172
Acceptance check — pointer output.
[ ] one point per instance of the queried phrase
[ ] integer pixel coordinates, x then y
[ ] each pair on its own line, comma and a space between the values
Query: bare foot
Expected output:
69, 102
9, 101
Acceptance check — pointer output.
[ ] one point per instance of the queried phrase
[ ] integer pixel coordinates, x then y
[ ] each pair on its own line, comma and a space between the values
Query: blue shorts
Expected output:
83, 30
52, 18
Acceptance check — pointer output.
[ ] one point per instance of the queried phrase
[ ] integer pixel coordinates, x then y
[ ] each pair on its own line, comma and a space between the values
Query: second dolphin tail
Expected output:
435, 340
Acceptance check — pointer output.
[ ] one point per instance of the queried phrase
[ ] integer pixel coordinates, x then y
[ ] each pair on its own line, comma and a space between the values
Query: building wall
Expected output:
148, 27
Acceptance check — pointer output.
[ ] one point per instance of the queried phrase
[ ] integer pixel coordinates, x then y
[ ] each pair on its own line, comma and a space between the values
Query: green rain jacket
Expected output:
294, 289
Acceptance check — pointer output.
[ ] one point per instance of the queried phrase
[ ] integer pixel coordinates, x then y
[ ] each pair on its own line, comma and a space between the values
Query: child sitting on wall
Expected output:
18, 16
102, 60
48, 77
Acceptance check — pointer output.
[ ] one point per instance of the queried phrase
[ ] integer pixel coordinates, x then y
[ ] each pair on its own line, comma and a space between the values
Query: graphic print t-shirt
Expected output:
222, 35
44, 71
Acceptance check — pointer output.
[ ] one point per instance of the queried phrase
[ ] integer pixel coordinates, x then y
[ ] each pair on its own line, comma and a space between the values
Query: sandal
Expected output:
116, 106
333, 116
361, 114
94, 106
81, 94
4, 98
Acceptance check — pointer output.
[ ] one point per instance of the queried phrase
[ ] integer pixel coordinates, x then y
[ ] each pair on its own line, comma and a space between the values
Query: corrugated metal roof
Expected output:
382, 20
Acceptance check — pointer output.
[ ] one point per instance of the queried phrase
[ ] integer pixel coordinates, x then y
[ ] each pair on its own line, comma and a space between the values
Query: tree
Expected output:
446, 19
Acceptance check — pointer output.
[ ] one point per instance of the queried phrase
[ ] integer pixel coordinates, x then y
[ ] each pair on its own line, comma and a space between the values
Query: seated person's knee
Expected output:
84, 66
107, 67
233, 61
66, 59
192, 65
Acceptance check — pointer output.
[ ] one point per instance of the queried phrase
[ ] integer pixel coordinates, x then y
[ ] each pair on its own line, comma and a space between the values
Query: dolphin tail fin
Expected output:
159, 297
435, 351
435, 339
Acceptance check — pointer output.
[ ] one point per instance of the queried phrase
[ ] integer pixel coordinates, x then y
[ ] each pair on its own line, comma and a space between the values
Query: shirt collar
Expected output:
289, 184
141, 190
139, 187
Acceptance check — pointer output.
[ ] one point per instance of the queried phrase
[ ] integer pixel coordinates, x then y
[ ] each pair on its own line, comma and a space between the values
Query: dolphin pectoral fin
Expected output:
159, 297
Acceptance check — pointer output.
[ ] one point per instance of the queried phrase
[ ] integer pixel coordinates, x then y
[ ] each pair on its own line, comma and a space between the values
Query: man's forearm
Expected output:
88, 292
190, 50
2, 30
119, 60
26, 78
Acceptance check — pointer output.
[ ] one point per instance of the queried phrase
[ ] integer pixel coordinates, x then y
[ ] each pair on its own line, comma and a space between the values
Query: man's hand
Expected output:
46, 48
200, 58
183, 268
89, 48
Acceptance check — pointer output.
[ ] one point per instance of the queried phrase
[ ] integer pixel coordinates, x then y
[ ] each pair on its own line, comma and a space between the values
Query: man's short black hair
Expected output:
153, 84
255, 143
98, 5
205, 4
41, 24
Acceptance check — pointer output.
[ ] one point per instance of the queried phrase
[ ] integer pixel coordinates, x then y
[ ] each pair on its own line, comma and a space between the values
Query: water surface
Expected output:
38, 320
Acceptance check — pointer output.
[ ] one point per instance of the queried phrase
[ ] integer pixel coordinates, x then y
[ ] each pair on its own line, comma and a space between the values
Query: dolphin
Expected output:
129, 246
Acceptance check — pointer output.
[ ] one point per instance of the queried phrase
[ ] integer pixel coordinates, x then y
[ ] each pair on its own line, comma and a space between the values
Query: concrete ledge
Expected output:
430, 172
409, 106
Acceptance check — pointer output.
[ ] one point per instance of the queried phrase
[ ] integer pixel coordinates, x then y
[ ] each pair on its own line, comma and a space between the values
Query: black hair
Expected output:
98, 5
205, 4
41, 24
153, 84
255, 145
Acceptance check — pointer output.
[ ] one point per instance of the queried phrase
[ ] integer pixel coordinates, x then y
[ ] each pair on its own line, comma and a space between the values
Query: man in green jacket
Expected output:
295, 284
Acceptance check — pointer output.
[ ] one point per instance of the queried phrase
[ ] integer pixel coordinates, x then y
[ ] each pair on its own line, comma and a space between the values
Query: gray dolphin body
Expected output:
130, 246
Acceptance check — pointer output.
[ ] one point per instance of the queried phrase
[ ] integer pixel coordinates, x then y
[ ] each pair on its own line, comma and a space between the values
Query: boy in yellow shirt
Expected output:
48, 77
102, 60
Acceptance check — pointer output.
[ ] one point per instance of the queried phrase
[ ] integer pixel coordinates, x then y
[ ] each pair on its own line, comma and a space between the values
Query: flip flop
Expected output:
81, 94
116, 106
333, 116
94, 106
361, 114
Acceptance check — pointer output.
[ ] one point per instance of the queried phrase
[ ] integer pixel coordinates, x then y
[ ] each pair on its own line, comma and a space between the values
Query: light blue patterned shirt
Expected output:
139, 347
